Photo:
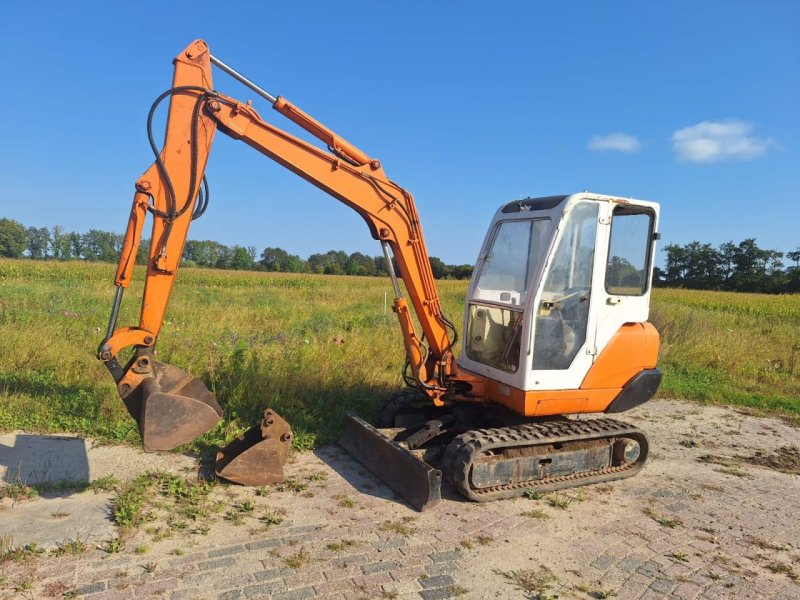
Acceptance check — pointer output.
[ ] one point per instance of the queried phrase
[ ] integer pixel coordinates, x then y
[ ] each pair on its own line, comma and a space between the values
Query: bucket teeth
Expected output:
172, 408
257, 456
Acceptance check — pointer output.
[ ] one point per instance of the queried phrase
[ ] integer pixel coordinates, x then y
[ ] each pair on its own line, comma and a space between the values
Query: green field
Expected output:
260, 339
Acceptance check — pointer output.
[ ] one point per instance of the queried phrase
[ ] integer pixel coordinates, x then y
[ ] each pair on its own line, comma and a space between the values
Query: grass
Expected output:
266, 339
402, 527
297, 560
663, 520
707, 348
536, 583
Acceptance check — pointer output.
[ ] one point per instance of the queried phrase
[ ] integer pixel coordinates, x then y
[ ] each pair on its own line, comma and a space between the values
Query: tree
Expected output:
38, 242
102, 246
273, 258
242, 259
795, 256
13, 240
76, 245
59, 244
438, 267
359, 264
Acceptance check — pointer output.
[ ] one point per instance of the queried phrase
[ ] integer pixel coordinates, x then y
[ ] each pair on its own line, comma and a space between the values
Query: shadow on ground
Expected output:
43, 460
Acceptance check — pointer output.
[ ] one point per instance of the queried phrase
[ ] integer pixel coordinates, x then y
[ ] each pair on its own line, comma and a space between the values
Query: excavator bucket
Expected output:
257, 456
172, 408
397, 466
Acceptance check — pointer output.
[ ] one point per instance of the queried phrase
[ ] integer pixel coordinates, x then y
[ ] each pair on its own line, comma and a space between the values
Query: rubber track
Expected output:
464, 449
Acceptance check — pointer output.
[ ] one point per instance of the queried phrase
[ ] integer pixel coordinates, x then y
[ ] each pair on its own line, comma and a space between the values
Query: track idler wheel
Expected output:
257, 456
171, 408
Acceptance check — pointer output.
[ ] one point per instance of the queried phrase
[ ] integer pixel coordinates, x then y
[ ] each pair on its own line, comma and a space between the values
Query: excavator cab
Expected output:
556, 279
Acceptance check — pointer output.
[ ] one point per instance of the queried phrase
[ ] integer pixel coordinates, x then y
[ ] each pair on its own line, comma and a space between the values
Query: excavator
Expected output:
555, 324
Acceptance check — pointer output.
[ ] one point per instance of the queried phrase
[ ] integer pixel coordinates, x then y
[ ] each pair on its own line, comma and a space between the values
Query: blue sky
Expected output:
467, 104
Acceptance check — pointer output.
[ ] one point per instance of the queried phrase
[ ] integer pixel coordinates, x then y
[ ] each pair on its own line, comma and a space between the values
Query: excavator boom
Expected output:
170, 406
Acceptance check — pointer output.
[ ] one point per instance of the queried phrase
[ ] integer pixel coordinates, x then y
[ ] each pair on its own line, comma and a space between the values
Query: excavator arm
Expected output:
170, 406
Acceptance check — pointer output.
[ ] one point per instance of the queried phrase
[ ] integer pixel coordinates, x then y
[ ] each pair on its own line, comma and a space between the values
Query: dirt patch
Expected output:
785, 459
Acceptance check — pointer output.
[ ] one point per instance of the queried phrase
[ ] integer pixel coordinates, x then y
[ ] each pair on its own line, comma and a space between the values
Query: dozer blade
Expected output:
257, 456
172, 408
412, 478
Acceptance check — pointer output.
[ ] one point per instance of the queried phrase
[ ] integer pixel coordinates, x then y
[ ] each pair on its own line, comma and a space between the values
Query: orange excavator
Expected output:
555, 325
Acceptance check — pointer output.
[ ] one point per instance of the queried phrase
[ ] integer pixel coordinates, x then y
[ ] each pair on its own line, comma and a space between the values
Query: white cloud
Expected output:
619, 142
714, 141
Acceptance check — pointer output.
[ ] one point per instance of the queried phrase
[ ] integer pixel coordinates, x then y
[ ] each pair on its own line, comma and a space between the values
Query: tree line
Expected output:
742, 267
41, 243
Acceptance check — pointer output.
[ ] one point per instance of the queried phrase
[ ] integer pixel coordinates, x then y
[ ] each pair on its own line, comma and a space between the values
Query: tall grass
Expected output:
313, 346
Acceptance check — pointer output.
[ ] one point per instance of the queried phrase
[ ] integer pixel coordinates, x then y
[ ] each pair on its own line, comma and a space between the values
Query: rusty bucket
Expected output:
172, 408
257, 456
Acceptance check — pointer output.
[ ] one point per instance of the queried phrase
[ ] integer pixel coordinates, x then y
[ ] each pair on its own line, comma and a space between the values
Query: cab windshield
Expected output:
506, 269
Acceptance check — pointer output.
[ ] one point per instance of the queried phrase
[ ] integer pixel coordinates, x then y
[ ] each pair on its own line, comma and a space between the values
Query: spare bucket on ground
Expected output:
257, 456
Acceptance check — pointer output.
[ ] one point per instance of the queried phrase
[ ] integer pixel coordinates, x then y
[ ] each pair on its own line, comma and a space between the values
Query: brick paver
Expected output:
688, 526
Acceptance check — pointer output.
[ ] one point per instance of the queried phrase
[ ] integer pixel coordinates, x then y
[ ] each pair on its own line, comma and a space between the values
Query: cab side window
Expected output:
629, 251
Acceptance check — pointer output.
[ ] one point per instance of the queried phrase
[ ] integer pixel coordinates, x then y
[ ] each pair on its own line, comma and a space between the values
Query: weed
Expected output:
70, 547
713, 576
533, 494
149, 567
339, 546
177, 524
389, 594
689, 443
292, 484
466, 544
18, 491
664, 521
534, 582
779, 567
580, 496
262, 491
402, 527
557, 501
602, 594
104, 484
23, 585
319, 476
113, 546
234, 517
297, 560
678, 557
709, 530
484, 540
761, 543
59, 514
270, 518
177, 552
457, 590
246, 506
202, 529
345, 501
536, 513
142, 549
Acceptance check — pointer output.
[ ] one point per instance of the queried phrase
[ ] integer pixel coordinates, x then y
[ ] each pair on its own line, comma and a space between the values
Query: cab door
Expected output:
627, 255
565, 310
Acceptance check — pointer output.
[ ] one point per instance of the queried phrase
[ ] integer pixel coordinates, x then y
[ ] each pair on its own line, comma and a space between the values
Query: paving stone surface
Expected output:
699, 521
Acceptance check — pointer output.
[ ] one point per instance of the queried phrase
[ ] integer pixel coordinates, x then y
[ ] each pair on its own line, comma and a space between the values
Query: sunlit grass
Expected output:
268, 339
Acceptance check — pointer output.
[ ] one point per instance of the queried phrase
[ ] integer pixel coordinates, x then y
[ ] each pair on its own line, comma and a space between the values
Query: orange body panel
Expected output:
632, 349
